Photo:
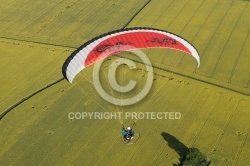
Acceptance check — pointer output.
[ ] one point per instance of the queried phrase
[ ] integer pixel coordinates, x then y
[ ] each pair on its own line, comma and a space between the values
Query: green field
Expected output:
37, 37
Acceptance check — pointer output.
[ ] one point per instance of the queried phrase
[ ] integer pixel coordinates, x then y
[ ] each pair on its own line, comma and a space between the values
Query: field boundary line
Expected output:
194, 78
36, 43
248, 82
5, 112
21, 154
61, 142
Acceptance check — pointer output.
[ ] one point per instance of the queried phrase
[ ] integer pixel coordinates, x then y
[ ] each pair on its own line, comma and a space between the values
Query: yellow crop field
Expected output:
36, 102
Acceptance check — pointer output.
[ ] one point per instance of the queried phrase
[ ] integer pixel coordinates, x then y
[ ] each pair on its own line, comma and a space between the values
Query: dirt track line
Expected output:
241, 146
184, 27
59, 13
159, 97
225, 127
69, 36
153, 126
179, 124
201, 27
5, 112
23, 7
136, 13
81, 149
187, 114
107, 151
229, 37
144, 107
156, 20
211, 39
240, 53
212, 108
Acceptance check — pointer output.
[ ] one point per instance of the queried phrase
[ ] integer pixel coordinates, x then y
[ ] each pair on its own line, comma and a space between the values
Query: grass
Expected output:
213, 99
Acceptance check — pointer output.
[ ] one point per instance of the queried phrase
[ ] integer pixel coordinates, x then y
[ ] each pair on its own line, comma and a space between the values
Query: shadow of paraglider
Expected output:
176, 145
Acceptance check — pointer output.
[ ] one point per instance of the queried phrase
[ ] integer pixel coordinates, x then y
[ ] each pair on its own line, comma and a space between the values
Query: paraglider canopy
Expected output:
123, 40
